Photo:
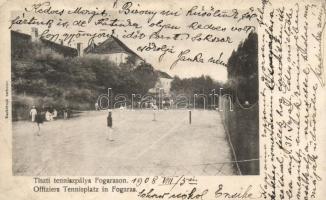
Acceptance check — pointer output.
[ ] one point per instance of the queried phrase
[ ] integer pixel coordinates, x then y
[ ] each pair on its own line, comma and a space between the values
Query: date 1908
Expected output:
165, 181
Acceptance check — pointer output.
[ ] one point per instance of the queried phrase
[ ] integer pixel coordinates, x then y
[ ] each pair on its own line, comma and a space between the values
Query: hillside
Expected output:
43, 77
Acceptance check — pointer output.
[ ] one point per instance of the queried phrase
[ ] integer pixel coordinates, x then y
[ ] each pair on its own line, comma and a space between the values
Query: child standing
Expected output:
39, 118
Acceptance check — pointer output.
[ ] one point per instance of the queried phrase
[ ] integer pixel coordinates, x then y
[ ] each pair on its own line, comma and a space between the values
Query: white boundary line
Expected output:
229, 139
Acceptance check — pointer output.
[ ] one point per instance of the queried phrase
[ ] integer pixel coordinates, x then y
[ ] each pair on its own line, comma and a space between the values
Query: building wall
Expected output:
164, 83
116, 58
138, 61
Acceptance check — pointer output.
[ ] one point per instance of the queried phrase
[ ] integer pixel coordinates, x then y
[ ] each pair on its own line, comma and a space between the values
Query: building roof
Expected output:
163, 74
20, 35
110, 46
65, 50
17, 37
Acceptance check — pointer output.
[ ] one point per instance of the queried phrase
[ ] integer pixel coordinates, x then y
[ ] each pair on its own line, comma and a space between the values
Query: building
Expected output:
114, 50
163, 83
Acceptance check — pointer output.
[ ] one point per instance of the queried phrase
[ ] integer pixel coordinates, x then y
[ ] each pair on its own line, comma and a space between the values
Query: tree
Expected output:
243, 70
41, 73
203, 85
146, 77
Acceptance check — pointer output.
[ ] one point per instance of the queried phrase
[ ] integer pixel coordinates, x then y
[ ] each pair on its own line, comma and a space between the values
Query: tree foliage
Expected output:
203, 85
243, 70
42, 73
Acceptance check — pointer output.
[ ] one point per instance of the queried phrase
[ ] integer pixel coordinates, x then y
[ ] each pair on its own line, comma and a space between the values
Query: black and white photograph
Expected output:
134, 92
148, 100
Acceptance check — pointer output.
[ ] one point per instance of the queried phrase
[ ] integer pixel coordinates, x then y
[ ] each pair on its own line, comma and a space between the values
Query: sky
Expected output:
182, 69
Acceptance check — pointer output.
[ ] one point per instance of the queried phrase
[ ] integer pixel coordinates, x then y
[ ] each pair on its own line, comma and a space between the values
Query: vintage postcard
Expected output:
142, 99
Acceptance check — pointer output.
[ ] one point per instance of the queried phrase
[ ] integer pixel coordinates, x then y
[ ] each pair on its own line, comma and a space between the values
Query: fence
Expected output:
242, 127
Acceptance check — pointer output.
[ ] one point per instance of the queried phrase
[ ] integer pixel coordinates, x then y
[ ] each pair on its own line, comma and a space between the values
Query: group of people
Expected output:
40, 115
49, 115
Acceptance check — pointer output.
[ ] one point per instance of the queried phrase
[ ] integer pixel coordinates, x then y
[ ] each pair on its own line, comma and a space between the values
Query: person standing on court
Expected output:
65, 112
33, 113
39, 118
55, 114
109, 126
